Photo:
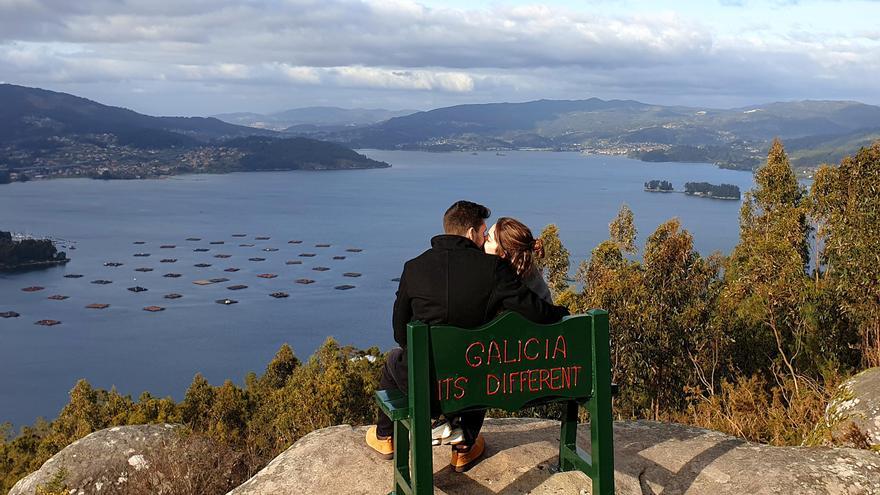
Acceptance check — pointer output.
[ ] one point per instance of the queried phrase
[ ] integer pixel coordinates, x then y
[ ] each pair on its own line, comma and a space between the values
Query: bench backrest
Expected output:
509, 363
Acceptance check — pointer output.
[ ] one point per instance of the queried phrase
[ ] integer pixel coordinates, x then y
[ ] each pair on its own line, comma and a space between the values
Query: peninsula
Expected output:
46, 135
25, 254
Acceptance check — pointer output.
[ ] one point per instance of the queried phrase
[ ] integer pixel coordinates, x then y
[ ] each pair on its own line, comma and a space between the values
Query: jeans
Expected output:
395, 377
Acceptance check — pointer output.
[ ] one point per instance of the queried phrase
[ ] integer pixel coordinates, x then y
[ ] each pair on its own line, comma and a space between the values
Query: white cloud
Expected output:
417, 54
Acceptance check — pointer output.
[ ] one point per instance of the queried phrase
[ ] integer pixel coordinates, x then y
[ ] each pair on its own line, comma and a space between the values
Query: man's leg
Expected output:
471, 423
394, 377
467, 454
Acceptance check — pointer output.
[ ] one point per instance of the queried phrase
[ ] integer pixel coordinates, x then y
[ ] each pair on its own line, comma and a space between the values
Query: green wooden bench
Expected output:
510, 363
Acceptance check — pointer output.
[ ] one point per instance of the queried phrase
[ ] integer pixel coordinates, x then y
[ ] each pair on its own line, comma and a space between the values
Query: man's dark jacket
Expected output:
456, 283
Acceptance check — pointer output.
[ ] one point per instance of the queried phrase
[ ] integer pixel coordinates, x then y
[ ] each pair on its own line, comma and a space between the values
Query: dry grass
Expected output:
188, 465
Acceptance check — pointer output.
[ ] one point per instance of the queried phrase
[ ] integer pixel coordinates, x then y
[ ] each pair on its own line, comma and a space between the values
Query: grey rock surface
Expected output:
93, 463
650, 458
856, 403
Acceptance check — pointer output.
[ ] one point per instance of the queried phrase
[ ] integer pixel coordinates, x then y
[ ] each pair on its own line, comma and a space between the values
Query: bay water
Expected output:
388, 214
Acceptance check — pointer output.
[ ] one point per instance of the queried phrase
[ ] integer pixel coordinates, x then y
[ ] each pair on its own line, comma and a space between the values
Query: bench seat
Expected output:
394, 403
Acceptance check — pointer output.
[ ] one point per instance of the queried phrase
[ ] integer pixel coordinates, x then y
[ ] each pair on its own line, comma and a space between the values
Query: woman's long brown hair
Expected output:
516, 244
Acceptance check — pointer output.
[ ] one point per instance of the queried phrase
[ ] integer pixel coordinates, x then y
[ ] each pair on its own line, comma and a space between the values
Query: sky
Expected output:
205, 57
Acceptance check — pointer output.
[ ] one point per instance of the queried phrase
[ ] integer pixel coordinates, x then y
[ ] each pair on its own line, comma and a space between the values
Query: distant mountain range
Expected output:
56, 134
814, 131
48, 133
313, 117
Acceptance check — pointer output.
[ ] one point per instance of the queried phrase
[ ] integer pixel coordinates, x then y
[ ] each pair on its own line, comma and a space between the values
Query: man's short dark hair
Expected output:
463, 215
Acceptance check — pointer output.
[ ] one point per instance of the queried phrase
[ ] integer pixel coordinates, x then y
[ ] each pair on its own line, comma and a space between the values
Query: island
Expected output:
24, 254
706, 190
658, 186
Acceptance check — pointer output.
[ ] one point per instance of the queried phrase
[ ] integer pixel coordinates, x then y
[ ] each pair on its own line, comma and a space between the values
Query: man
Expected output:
455, 283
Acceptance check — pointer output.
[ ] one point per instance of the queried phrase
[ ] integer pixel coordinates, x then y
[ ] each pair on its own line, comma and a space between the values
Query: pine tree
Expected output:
847, 201
555, 262
766, 283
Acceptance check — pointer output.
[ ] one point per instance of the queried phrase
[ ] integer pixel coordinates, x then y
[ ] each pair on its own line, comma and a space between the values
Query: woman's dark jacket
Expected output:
456, 283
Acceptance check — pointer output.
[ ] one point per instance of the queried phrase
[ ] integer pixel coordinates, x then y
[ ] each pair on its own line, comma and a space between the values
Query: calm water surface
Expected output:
390, 214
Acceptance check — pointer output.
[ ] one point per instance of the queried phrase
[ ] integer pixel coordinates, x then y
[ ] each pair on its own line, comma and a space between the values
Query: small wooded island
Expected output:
658, 186
25, 254
704, 189
701, 189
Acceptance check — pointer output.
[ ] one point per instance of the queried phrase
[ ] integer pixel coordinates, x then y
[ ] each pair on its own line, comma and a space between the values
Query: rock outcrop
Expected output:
853, 414
650, 458
100, 460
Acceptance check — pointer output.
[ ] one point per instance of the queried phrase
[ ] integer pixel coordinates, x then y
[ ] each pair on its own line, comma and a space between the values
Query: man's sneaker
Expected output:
383, 445
464, 458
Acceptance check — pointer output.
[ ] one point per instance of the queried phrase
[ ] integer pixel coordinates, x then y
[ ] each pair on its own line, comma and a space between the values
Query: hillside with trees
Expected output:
753, 344
45, 134
732, 138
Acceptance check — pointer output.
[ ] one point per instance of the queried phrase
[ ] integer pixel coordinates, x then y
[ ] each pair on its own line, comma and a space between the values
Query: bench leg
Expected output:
601, 421
568, 436
402, 479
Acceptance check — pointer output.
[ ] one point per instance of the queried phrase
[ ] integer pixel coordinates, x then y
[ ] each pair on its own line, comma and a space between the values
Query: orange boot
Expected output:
464, 458
383, 445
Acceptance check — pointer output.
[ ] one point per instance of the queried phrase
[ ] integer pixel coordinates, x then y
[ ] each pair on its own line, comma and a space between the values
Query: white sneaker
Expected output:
455, 437
439, 430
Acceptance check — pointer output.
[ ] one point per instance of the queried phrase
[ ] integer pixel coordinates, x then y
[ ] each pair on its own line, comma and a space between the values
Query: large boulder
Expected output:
853, 414
650, 458
101, 460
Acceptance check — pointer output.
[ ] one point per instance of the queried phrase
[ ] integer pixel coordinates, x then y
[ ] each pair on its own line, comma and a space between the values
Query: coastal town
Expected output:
79, 159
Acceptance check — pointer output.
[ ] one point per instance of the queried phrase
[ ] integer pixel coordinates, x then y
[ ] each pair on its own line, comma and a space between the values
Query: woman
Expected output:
512, 240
